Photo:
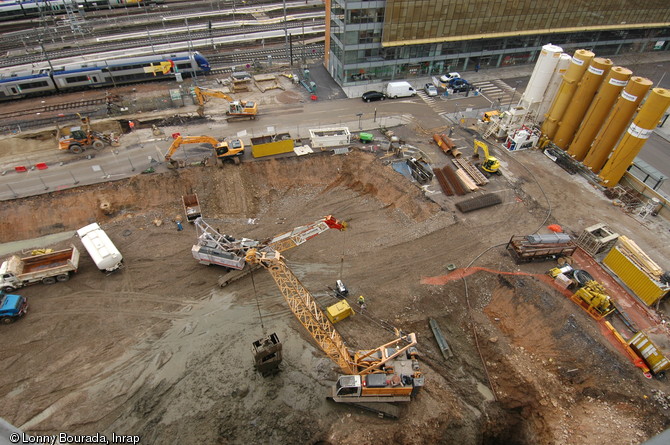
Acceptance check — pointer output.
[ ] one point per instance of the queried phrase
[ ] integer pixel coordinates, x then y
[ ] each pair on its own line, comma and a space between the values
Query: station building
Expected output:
379, 40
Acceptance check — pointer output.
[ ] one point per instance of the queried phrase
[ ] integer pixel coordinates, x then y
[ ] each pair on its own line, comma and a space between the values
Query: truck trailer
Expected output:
524, 249
47, 268
101, 249
191, 207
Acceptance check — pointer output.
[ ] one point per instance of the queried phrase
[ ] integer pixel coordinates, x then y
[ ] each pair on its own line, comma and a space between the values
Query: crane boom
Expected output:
304, 307
389, 373
299, 235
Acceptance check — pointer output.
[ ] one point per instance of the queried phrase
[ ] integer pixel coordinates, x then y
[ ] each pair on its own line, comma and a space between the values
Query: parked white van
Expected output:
399, 89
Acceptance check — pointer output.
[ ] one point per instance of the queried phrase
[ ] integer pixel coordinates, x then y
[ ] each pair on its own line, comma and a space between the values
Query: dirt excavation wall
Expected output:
231, 191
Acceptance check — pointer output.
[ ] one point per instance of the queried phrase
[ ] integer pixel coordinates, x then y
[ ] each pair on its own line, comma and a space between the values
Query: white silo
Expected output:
552, 87
539, 80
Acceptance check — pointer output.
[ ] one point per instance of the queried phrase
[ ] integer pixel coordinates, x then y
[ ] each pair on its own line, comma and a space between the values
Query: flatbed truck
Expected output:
524, 251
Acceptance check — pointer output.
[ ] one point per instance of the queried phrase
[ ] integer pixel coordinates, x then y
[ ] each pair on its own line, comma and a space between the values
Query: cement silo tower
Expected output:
539, 80
600, 107
580, 62
555, 82
638, 132
616, 122
586, 90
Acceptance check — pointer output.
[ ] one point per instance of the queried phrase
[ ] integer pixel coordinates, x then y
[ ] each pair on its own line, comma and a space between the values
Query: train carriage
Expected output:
24, 84
37, 79
21, 9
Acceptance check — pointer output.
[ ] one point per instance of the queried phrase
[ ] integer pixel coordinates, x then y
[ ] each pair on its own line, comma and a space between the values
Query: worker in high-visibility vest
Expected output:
361, 300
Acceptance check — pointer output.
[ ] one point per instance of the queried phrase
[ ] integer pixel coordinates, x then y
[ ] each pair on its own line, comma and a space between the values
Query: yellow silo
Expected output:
616, 122
598, 111
586, 90
638, 132
580, 62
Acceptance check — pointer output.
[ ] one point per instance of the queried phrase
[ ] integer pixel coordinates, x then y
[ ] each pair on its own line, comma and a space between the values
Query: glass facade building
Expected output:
378, 40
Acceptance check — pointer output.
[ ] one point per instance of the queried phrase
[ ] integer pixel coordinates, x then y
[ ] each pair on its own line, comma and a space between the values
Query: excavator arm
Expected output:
490, 164
202, 93
181, 140
235, 108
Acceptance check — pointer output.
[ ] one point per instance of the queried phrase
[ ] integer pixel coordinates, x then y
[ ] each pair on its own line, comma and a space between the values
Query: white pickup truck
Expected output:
46, 268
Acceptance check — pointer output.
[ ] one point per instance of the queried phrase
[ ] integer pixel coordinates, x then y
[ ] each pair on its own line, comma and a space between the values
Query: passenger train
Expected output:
21, 9
41, 79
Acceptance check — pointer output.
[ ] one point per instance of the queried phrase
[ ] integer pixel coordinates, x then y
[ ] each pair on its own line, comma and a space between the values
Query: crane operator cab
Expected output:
242, 108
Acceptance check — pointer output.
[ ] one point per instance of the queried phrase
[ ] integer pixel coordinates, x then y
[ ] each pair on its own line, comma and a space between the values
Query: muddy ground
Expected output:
160, 350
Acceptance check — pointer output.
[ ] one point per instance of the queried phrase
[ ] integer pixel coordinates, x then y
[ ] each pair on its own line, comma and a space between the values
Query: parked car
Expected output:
460, 85
449, 76
371, 96
430, 89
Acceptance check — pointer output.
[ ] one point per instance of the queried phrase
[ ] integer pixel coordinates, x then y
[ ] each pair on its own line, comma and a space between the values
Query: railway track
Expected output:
62, 39
151, 38
78, 105
221, 64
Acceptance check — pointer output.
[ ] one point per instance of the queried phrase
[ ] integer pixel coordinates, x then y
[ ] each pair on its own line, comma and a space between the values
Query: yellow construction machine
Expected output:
373, 379
233, 149
237, 109
78, 139
594, 299
491, 165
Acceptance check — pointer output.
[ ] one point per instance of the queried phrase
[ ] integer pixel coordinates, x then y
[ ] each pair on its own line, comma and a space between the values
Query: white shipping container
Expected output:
101, 249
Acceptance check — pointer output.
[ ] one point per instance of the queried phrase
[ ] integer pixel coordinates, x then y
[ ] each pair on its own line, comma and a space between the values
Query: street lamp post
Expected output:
359, 120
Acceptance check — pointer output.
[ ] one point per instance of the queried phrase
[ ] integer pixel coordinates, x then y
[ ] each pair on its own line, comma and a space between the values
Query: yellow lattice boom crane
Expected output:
388, 373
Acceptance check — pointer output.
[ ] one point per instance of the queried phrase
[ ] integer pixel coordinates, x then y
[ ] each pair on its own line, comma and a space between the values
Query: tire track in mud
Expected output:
132, 295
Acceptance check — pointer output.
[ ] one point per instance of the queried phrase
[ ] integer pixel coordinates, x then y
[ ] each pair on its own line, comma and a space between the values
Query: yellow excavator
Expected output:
491, 165
233, 149
237, 109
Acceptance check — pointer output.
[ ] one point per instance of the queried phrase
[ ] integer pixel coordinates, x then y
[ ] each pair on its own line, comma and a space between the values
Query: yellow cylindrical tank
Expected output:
598, 111
616, 122
638, 132
586, 90
580, 62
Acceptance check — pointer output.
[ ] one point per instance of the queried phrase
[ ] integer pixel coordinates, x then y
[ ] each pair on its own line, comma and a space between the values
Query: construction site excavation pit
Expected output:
160, 350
